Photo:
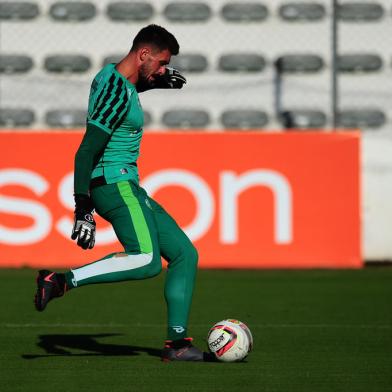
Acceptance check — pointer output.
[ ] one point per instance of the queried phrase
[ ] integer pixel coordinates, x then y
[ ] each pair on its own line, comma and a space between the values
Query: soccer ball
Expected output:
230, 340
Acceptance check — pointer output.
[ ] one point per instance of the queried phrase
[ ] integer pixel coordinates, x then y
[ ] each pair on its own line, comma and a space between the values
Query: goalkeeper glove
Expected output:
172, 79
84, 224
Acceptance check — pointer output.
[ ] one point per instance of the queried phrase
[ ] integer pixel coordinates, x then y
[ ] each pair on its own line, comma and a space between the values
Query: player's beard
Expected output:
144, 73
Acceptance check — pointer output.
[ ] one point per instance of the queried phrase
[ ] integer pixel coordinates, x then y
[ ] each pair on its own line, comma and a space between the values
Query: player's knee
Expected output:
155, 266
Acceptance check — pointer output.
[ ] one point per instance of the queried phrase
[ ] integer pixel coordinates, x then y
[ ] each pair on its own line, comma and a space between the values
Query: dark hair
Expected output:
156, 36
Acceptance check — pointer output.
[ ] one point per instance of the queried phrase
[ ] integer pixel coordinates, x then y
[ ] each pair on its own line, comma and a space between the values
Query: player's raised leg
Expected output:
123, 205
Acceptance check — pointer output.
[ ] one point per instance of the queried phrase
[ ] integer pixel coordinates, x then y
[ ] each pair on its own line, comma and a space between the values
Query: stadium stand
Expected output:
357, 12
244, 119
15, 10
303, 63
187, 12
66, 118
186, 118
147, 118
229, 53
113, 58
67, 63
14, 63
302, 119
72, 11
302, 12
361, 118
244, 12
190, 62
10, 117
125, 11
359, 63
241, 62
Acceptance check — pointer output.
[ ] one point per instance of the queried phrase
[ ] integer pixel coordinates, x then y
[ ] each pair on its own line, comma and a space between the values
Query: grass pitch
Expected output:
313, 330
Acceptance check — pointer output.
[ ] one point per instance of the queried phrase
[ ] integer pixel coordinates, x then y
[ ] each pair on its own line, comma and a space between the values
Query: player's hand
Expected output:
172, 78
84, 224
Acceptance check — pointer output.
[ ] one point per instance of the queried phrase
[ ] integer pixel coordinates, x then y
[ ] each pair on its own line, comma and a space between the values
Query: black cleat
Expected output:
182, 350
49, 285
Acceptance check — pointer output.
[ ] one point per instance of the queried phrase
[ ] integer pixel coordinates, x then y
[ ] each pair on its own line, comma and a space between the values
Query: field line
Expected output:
143, 325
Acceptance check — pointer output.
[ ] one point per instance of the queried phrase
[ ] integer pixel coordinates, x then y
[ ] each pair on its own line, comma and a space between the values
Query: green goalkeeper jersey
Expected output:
115, 108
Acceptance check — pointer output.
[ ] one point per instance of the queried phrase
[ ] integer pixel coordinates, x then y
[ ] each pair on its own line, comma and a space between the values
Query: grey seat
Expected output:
303, 118
66, 118
10, 117
360, 12
67, 63
244, 119
113, 58
18, 10
245, 62
361, 118
189, 62
187, 12
15, 63
186, 118
147, 118
124, 11
359, 63
299, 11
301, 63
244, 12
72, 11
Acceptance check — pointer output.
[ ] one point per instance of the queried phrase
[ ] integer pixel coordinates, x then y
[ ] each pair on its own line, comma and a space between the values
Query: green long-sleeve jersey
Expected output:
114, 107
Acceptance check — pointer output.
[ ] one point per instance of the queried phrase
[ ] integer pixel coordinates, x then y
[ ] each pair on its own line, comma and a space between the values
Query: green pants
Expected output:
146, 232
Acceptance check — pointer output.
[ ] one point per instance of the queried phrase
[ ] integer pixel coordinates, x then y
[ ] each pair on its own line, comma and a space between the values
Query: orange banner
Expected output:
247, 200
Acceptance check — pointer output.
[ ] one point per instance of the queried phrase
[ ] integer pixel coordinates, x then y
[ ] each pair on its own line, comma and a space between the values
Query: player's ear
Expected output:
143, 53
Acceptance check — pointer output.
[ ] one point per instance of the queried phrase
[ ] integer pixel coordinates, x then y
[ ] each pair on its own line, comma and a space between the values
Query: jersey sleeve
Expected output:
110, 106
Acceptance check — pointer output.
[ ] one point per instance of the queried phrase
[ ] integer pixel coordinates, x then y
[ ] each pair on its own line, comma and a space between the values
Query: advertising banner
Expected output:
246, 199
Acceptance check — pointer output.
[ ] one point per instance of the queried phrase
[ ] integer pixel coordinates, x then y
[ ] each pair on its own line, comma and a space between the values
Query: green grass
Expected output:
314, 331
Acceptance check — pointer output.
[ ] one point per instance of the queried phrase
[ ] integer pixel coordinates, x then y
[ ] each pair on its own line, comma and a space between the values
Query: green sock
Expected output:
176, 332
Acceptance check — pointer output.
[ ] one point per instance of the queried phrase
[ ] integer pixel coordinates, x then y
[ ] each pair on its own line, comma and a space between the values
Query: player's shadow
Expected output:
63, 345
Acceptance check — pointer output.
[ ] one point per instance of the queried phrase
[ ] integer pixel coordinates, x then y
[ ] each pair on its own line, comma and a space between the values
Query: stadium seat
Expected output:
124, 11
67, 63
147, 118
299, 63
189, 62
14, 63
359, 63
72, 11
244, 62
186, 118
66, 118
23, 10
16, 117
302, 12
187, 12
244, 12
360, 12
113, 58
361, 118
244, 119
303, 119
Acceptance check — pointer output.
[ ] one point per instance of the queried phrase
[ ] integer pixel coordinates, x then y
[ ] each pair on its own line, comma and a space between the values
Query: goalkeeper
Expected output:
106, 179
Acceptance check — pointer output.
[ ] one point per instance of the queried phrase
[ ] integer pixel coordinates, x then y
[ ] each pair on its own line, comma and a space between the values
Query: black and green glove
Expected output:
171, 79
84, 224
